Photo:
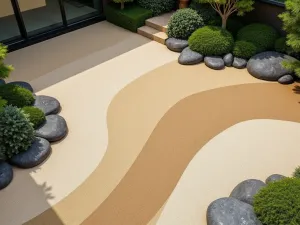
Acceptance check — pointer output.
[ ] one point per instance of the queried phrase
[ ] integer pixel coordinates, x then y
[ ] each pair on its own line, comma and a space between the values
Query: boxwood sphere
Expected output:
211, 40
35, 115
16, 95
244, 49
183, 23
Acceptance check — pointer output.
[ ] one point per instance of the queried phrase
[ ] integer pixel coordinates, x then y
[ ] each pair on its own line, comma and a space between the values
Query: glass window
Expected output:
9, 29
40, 15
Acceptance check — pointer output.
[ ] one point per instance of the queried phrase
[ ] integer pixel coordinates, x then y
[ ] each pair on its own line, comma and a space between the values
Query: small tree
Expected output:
4, 69
291, 24
227, 7
122, 2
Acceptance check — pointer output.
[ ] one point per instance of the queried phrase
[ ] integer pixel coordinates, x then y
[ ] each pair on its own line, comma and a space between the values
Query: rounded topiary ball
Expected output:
279, 203
16, 132
16, 95
183, 23
211, 40
35, 115
244, 49
262, 35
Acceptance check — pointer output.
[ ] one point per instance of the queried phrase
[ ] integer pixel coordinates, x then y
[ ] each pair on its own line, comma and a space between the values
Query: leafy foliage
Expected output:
183, 23
5, 70
3, 103
262, 35
210, 40
281, 46
158, 6
122, 2
16, 132
244, 49
35, 115
296, 173
279, 203
225, 8
16, 95
291, 21
206, 12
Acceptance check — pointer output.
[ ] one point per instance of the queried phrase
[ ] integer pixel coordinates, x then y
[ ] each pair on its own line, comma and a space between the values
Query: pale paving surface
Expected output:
252, 149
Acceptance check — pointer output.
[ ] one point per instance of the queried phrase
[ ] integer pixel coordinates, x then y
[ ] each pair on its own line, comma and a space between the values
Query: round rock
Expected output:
35, 155
246, 190
176, 45
54, 129
189, 57
6, 175
274, 177
228, 59
267, 65
23, 84
286, 79
47, 104
214, 62
2, 82
230, 211
239, 63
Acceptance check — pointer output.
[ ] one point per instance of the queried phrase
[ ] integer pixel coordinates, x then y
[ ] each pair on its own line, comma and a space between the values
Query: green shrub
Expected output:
16, 95
16, 132
158, 7
244, 49
279, 203
206, 12
296, 173
3, 103
5, 70
262, 35
280, 45
210, 40
130, 18
183, 23
35, 115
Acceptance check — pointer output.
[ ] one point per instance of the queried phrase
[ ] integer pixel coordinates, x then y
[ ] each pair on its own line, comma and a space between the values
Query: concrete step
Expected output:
152, 34
159, 23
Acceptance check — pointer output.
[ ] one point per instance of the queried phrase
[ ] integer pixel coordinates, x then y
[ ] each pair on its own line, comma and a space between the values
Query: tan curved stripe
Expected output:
179, 135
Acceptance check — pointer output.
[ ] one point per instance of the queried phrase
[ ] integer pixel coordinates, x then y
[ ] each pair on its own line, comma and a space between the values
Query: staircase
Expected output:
156, 28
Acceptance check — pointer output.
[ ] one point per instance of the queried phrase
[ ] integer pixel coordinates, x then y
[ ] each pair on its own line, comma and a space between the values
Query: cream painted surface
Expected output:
7, 10
251, 149
84, 108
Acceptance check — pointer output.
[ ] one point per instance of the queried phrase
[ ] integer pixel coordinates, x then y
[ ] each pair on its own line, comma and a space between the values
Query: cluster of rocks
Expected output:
238, 207
190, 57
265, 65
52, 130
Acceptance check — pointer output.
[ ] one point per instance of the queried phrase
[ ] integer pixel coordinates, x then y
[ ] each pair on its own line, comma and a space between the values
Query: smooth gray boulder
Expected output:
6, 175
176, 45
35, 155
214, 62
47, 104
2, 82
274, 177
230, 211
54, 129
246, 190
267, 65
239, 63
286, 79
228, 59
189, 57
23, 84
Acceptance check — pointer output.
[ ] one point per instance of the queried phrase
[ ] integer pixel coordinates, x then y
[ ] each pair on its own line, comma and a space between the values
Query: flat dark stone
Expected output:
214, 62
35, 155
54, 129
189, 57
2, 82
274, 177
230, 211
286, 79
6, 175
246, 190
176, 45
228, 59
47, 104
23, 84
239, 63
267, 65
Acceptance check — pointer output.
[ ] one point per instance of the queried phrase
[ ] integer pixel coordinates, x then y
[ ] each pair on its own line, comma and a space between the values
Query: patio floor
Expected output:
150, 141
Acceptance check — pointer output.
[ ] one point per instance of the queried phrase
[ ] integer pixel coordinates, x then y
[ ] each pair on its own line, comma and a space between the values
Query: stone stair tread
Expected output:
148, 30
161, 20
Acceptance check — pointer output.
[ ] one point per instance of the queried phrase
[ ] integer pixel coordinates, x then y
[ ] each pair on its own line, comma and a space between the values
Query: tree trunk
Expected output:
122, 5
224, 22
